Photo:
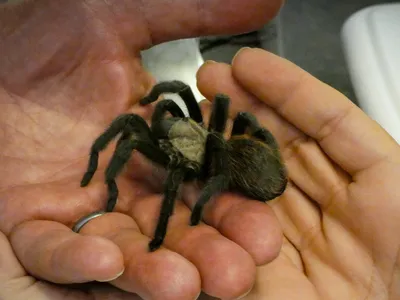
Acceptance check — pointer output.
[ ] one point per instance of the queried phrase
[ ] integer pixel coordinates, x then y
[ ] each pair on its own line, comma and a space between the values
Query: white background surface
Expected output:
176, 60
371, 40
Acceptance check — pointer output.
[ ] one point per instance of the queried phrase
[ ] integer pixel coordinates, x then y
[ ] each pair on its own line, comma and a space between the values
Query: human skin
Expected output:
66, 71
340, 212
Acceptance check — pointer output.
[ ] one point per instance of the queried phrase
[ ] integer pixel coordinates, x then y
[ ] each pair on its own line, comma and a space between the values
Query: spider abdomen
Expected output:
255, 169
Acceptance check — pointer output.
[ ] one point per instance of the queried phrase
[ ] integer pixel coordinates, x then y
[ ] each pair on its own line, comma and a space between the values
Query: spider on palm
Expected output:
249, 162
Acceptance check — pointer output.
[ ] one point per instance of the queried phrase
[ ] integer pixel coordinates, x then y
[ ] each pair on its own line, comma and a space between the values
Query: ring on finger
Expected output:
84, 220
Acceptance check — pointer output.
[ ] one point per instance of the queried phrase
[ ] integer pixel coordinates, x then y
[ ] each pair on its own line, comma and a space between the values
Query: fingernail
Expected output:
113, 278
245, 294
209, 62
237, 53
201, 102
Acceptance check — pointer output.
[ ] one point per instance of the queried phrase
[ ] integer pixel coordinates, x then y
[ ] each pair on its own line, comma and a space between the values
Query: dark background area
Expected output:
306, 32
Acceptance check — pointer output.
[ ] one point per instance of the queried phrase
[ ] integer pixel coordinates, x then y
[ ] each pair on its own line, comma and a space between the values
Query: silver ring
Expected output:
82, 222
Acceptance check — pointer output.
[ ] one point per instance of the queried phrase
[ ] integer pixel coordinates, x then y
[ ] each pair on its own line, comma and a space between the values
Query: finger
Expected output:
274, 278
233, 270
14, 282
308, 166
345, 133
64, 201
249, 223
192, 18
99, 291
51, 251
10, 267
213, 78
159, 275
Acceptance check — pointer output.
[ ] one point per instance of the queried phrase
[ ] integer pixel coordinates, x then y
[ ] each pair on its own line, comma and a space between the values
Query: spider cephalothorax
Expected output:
249, 162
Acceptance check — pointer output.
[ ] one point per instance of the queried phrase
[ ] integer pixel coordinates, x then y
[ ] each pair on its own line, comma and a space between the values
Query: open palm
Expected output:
340, 212
66, 71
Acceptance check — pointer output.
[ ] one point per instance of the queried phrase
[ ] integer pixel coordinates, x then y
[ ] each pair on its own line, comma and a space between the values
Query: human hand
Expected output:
67, 70
340, 211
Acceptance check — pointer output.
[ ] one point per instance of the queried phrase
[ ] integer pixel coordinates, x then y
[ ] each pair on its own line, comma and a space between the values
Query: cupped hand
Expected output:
340, 212
66, 71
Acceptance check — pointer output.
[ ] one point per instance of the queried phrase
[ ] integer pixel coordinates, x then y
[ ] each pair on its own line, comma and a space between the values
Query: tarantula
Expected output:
248, 163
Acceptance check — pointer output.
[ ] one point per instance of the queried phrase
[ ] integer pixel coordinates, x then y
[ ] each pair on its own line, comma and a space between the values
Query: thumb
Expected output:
10, 268
177, 19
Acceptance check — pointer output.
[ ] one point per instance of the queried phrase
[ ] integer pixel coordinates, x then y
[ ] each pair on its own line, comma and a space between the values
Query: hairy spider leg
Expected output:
215, 157
217, 183
171, 186
180, 88
217, 124
165, 106
106, 137
219, 114
160, 110
246, 120
159, 126
121, 155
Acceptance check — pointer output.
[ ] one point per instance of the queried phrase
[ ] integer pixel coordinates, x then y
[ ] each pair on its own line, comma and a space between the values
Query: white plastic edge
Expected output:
367, 73
175, 60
